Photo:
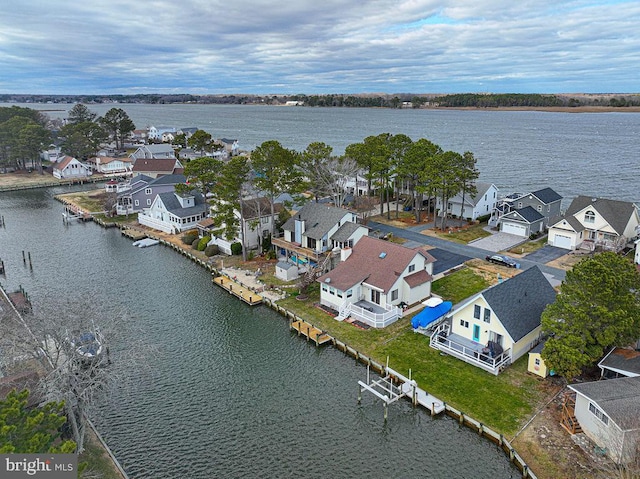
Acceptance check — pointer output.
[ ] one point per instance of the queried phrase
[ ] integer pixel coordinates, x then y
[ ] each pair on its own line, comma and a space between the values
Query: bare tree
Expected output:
81, 352
332, 176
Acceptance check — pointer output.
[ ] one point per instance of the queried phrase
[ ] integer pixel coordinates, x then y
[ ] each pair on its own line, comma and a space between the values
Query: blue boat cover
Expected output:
429, 315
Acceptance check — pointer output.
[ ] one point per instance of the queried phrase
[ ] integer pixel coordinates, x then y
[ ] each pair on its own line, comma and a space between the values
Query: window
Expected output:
593, 409
338, 293
519, 204
148, 201
349, 293
476, 311
147, 191
265, 220
540, 208
412, 268
487, 315
332, 290
324, 288
394, 295
136, 203
537, 361
589, 217
464, 324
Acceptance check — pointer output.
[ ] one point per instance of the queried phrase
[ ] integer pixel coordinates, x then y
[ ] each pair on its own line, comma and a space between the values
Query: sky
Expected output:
319, 46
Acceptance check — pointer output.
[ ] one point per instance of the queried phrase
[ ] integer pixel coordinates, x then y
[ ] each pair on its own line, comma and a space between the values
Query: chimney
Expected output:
345, 253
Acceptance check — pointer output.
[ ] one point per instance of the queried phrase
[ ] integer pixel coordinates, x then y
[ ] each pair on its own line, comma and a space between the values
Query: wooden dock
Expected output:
310, 332
239, 290
133, 234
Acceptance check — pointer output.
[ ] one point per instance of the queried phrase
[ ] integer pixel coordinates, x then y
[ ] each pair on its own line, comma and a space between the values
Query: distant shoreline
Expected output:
549, 109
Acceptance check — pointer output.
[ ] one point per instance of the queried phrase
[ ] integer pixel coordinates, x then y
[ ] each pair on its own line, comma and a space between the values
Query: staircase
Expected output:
568, 419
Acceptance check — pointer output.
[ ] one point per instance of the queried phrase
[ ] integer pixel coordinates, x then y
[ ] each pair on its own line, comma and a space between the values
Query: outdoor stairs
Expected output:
343, 314
568, 419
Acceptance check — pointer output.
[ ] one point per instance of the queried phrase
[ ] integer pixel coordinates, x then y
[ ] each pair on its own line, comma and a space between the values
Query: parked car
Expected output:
503, 260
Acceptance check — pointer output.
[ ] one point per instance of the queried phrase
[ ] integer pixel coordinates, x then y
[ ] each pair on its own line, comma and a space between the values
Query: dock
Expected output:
310, 332
239, 290
133, 234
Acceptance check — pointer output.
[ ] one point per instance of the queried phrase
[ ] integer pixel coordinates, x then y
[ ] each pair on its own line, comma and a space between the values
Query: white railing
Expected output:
156, 224
376, 320
469, 354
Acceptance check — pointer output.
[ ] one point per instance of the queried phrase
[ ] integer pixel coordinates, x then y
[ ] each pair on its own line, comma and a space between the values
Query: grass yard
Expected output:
464, 235
529, 246
459, 285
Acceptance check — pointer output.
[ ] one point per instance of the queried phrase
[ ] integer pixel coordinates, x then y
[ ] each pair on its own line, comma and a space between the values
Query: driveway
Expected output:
445, 260
547, 253
498, 242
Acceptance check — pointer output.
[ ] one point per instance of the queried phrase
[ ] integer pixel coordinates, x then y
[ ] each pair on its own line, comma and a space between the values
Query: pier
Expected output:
310, 332
239, 290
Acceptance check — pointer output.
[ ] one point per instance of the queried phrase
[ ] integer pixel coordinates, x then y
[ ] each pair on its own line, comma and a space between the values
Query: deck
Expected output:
239, 290
310, 332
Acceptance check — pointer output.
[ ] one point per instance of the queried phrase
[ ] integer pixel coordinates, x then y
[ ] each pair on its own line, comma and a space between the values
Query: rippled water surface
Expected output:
231, 393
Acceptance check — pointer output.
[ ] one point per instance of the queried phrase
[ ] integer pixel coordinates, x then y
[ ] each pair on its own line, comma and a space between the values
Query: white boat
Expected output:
143, 243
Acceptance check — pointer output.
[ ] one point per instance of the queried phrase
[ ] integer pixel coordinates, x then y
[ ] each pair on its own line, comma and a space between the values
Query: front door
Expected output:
476, 333
375, 296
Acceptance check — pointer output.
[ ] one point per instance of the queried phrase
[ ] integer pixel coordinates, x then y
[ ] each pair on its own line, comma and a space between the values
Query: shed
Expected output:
286, 271
536, 363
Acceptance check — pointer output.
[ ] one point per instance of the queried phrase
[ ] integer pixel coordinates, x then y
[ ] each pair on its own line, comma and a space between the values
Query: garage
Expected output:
562, 241
514, 229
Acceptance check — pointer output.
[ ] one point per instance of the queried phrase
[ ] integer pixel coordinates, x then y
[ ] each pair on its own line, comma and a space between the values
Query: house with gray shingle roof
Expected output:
315, 230
620, 362
162, 151
142, 191
545, 201
373, 280
523, 222
595, 223
608, 414
497, 326
173, 213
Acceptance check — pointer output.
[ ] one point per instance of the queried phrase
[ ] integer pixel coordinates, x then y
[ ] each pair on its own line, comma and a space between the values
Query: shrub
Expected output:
211, 250
236, 248
483, 218
188, 237
194, 243
202, 244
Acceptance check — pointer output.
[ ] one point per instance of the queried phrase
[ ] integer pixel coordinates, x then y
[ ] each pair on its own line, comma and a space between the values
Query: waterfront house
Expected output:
591, 223
229, 146
482, 203
187, 131
620, 362
374, 279
142, 190
157, 167
160, 152
497, 326
70, 168
607, 412
110, 165
545, 201
315, 230
522, 222
156, 132
139, 136
174, 213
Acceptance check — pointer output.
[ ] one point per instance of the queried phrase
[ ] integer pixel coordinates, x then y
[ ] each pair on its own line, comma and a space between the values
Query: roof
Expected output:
149, 182
259, 207
319, 219
618, 398
378, 262
538, 348
346, 231
108, 159
172, 204
545, 195
518, 302
61, 165
616, 213
623, 360
528, 215
205, 223
481, 189
417, 278
155, 164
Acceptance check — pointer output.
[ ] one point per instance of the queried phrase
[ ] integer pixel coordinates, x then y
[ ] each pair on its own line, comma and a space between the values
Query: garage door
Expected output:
561, 241
514, 229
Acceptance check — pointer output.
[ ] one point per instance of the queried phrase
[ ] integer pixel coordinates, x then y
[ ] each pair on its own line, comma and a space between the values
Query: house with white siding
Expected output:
481, 203
110, 165
495, 327
174, 213
70, 168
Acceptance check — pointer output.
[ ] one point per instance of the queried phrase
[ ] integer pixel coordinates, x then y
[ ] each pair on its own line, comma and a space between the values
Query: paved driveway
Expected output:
547, 253
445, 260
498, 242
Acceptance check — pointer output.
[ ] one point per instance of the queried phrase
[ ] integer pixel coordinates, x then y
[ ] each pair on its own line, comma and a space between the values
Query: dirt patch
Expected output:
568, 261
490, 271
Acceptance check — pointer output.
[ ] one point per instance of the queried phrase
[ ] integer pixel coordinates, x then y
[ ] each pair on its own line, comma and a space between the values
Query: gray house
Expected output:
144, 190
522, 222
608, 414
620, 362
545, 201
159, 151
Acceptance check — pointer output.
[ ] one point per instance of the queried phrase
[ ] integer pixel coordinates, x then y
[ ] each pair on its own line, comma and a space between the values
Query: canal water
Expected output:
230, 393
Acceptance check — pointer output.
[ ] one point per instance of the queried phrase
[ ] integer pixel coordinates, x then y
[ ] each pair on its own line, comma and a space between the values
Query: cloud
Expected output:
258, 46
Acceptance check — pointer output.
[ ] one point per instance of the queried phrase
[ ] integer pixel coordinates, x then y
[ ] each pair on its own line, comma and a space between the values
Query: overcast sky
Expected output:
319, 46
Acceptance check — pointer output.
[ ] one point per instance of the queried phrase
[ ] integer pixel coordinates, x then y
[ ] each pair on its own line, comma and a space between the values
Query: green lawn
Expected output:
502, 402
459, 285
529, 246
466, 235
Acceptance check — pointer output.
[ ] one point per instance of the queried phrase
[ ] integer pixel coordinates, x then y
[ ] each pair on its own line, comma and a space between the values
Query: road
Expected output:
411, 234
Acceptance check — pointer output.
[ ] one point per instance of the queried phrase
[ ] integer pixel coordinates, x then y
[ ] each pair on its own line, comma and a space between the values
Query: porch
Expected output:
371, 314
295, 249
468, 351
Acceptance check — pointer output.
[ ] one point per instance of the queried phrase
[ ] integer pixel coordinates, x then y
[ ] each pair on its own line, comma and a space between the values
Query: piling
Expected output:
24, 259
30, 264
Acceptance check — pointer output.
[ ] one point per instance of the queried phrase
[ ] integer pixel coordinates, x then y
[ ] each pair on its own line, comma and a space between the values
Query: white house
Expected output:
70, 168
173, 213
161, 152
636, 258
482, 203
156, 132
592, 223
608, 414
497, 326
374, 279
110, 165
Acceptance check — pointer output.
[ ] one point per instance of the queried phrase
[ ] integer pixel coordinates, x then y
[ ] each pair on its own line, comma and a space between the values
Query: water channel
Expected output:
230, 392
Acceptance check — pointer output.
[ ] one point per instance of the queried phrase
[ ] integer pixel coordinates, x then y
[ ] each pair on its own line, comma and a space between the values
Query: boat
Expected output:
143, 243
87, 346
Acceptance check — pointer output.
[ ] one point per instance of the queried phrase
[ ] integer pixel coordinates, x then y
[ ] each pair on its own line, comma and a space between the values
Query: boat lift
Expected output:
386, 389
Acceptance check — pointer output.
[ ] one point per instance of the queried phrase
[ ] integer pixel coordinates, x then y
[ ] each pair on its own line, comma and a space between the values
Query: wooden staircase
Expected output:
568, 419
